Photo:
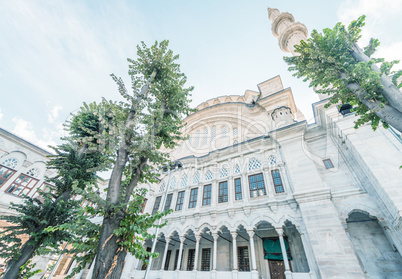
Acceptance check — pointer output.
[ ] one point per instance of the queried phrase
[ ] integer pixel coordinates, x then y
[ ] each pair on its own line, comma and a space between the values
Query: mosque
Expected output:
260, 193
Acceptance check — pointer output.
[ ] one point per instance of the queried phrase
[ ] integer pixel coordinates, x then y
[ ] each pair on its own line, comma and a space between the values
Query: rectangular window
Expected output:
276, 177
45, 188
180, 200
206, 198
168, 202
144, 203
5, 174
243, 258
193, 198
22, 185
328, 164
144, 264
223, 192
238, 194
156, 205
205, 259
257, 186
169, 253
190, 259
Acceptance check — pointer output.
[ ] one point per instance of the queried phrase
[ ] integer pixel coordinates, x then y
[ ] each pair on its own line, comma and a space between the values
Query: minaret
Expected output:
288, 32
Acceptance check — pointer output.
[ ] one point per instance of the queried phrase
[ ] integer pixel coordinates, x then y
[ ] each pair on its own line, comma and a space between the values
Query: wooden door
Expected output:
277, 269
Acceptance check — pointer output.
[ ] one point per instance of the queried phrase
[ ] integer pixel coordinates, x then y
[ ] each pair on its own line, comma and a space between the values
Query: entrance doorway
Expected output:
277, 269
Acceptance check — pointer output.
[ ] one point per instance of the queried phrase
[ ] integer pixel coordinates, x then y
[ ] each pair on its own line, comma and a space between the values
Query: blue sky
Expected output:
54, 55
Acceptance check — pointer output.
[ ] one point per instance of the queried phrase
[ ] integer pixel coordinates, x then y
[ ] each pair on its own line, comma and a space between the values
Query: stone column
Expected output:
309, 255
215, 236
234, 235
269, 187
197, 246
252, 250
165, 253
182, 238
283, 248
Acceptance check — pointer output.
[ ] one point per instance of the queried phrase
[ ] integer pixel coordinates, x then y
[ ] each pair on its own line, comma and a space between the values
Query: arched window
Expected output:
208, 175
10, 163
224, 130
254, 164
272, 160
172, 183
34, 172
213, 134
224, 172
162, 187
184, 181
196, 139
237, 168
205, 137
196, 178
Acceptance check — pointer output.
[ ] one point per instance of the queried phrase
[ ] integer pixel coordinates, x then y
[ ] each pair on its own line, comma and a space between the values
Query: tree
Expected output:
75, 167
132, 133
333, 62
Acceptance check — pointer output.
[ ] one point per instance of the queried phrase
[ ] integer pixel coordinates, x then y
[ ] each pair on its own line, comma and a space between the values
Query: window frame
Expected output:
206, 200
275, 179
328, 163
30, 185
243, 262
256, 190
192, 203
168, 202
190, 259
167, 262
235, 189
3, 178
157, 204
180, 198
223, 192
143, 204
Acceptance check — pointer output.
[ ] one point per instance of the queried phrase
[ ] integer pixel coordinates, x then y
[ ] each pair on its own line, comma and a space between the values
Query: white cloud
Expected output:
25, 130
53, 114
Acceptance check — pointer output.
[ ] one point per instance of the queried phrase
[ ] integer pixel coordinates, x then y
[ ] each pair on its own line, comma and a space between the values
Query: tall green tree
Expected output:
75, 166
333, 62
132, 134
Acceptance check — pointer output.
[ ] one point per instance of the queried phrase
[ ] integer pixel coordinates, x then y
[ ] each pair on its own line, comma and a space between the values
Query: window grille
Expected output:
276, 177
184, 181
243, 258
208, 175
272, 160
237, 168
205, 259
235, 132
257, 187
168, 202
156, 205
190, 259
193, 198
180, 200
197, 139
328, 164
168, 255
206, 198
10, 163
254, 164
224, 172
196, 178
238, 193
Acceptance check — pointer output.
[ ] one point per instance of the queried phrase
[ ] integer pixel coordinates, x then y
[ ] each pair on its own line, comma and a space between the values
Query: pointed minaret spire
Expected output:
288, 32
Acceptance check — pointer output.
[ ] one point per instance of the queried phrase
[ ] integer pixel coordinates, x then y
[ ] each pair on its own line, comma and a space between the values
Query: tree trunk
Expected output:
109, 262
13, 266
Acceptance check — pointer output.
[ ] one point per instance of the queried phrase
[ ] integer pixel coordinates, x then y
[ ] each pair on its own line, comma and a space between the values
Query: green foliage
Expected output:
326, 61
27, 270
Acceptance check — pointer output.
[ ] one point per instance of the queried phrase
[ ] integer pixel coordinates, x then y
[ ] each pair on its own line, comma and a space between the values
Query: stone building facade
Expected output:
264, 194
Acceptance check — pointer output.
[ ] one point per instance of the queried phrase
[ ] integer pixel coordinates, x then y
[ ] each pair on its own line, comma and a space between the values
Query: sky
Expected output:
55, 55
